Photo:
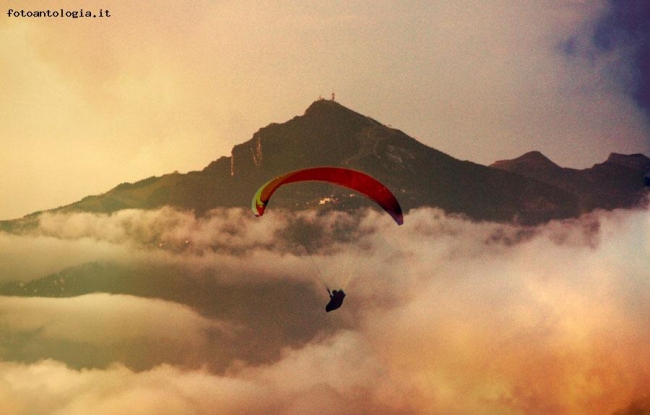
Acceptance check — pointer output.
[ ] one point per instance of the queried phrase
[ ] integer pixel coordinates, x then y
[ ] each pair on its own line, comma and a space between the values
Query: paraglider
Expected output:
352, 179
336, 300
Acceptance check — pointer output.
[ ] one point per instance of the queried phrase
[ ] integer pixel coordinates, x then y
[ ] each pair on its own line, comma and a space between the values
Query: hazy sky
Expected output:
443, 316
163, 86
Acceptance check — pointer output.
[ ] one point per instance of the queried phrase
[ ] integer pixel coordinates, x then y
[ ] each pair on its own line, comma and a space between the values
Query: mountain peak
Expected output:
633, 161
327, 134
330, 109
533, 160
322, 104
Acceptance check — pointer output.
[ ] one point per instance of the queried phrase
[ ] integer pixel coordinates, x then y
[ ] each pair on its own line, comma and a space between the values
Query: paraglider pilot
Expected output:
336, 300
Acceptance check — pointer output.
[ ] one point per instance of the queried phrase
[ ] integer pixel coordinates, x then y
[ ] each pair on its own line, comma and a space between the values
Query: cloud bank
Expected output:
443, 315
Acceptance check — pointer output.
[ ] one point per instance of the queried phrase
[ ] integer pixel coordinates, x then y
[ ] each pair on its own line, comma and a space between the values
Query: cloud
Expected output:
165, 228
622, 28
315, 379
23, 258
96, 330
443, 315
107, 319
63, 240
553, 324
220, 239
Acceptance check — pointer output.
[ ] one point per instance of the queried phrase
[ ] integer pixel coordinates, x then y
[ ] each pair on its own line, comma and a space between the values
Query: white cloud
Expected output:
442, 315
316, 379
104, 319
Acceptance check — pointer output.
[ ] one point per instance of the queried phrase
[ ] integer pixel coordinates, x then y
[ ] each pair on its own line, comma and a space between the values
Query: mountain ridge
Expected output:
618, 182
529, 189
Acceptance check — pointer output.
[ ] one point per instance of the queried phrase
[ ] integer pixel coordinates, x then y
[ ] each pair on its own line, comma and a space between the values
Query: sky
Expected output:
89, 103
442, 316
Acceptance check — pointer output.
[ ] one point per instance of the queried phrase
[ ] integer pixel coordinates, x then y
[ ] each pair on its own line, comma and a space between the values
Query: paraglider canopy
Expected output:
352, 179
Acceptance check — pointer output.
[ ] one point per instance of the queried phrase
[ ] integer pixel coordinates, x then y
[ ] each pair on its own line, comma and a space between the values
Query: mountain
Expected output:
293, 322
616, 183
530, 189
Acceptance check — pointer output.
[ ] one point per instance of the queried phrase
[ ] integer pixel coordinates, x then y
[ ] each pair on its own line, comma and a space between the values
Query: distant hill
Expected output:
530, 189
616, 183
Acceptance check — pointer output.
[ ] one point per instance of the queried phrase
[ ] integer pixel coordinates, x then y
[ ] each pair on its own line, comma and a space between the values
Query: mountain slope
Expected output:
531, 189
